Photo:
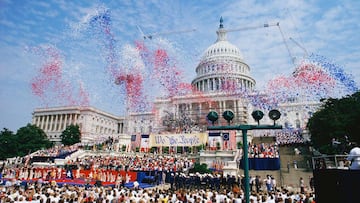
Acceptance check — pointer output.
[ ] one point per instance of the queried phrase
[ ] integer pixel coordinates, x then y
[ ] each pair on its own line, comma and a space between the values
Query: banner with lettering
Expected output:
164, 140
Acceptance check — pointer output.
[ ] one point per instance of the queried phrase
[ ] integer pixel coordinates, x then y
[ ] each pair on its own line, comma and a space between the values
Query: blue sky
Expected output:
326, 28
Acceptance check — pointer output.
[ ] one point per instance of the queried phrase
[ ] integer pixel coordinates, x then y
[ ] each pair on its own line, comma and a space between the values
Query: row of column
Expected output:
221, 105
218, 67
57, 122
217, 84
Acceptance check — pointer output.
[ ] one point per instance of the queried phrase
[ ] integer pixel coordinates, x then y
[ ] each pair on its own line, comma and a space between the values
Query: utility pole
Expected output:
257, 115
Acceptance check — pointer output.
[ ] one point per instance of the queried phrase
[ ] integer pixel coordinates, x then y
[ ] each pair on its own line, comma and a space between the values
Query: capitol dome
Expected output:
222, 68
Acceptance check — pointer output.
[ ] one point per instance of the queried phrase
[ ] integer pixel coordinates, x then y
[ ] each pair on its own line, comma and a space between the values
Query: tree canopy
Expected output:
26, 140
337, 119
71, 135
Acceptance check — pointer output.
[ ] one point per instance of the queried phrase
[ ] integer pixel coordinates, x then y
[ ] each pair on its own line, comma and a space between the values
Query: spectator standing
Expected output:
302, 185
257, 184
295, 164
273, 184
268, 183
354, 158
312, 183
288, 166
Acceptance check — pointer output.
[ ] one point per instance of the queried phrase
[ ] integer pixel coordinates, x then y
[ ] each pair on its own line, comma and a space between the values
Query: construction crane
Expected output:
266, 25
306, 54
151, 36
254, 27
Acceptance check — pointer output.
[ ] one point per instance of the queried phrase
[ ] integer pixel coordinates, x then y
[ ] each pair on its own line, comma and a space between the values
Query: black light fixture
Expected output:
228, 116
257, 115
274, 115
212, 116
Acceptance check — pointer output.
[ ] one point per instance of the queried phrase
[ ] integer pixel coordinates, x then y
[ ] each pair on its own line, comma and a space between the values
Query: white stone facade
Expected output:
95, 125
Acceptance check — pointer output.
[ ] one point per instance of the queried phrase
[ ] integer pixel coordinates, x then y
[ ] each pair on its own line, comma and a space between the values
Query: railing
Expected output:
330, 162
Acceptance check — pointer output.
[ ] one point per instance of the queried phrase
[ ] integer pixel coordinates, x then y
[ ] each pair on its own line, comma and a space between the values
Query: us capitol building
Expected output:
220, 74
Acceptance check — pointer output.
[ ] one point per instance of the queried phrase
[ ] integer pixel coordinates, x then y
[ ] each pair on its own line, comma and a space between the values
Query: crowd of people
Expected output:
263, 150
145, 162
56, 151
289, 138
174, 183
226, 192
285, 137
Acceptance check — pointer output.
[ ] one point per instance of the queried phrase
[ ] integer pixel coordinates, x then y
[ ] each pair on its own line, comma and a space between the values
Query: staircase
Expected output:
291, 178
303, 162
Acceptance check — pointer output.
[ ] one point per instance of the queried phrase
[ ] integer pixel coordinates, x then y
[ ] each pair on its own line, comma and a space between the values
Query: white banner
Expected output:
144, 142
163, 140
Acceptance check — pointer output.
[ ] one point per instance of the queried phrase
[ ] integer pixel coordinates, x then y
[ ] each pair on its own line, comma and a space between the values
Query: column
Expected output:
206, 84
37, 121
41, 124
77, 118
71, 116
65, 121
212, 84
61, 122
209, 84
48, 123
55, 122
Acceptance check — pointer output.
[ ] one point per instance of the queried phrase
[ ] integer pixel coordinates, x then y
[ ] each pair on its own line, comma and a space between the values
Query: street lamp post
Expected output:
257, 115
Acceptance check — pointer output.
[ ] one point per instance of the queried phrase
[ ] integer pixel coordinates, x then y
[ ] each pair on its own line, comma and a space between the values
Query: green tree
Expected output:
201, 168
336, 118
71, 135
31, 138
8, 144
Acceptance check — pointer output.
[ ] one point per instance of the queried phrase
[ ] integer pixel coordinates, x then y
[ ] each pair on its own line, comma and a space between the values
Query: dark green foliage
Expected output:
8, 144
337, 118
27, 139
153, 149
166, 150
239, 145
31, 138
71, 135
200, 168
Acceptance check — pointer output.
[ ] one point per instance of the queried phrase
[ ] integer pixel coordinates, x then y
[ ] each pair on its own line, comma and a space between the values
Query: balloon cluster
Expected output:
144, 69
50, 85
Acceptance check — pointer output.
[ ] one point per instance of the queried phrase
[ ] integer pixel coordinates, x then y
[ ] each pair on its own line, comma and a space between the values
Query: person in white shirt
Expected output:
136, 185
354, 158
